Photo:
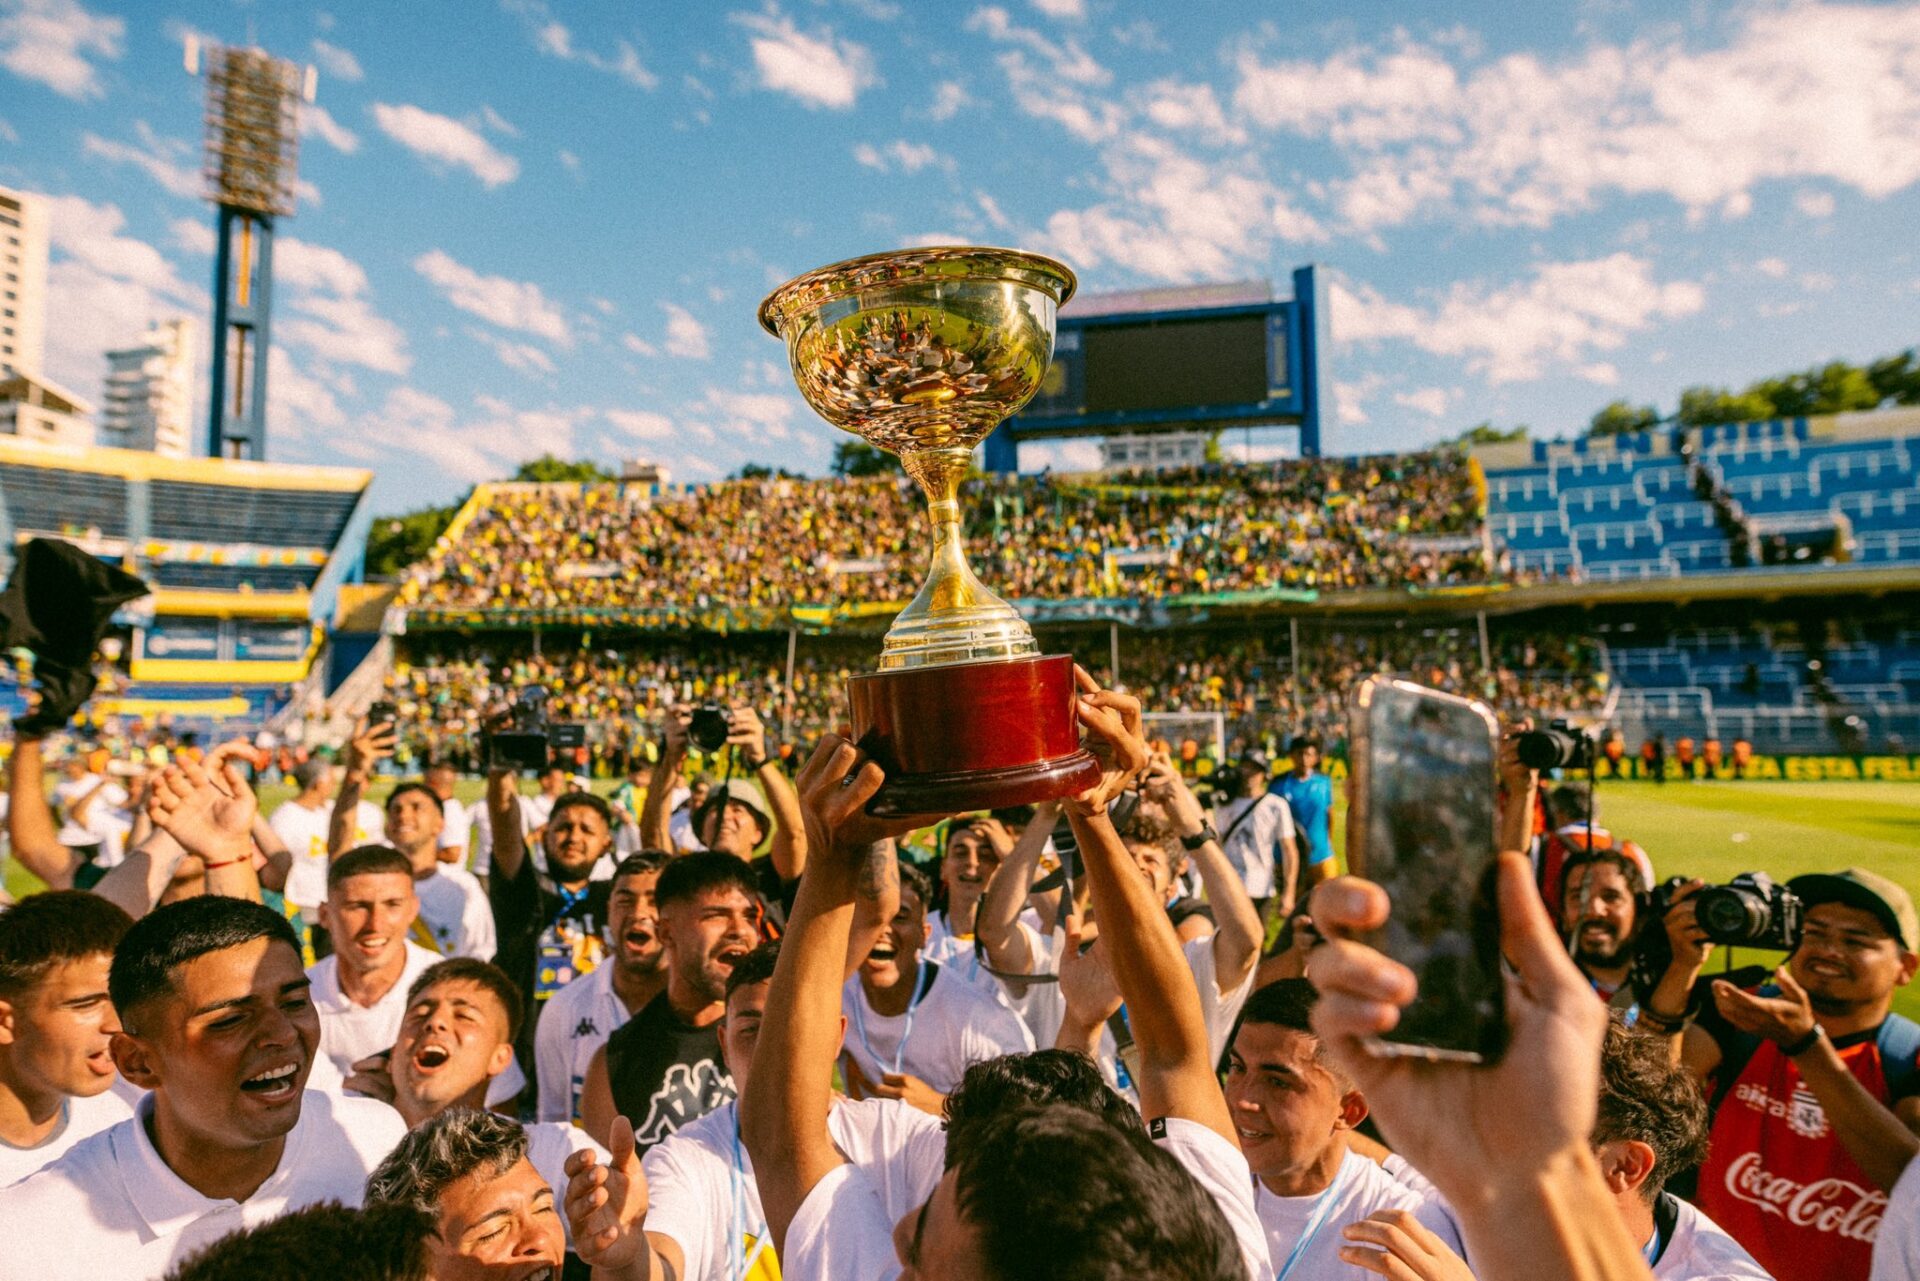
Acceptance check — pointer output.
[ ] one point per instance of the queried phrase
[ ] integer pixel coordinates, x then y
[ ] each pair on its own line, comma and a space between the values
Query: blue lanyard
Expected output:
743, 1260
1321, 1209
1651, 1250
860, 1018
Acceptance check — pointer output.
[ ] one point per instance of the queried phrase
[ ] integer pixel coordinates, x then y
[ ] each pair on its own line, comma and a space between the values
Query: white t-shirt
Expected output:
349, 1032
457, 913
576, 1021
1701, 1250
111, 1207
1896, 1253
954, 1026
1221, 1169
548, 1147
1360, 1188
305, 831
458, 827
841, 1232
695, 1193
1251, 845
80, 1118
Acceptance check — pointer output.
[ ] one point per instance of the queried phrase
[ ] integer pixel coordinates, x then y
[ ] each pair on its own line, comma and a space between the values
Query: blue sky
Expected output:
529, 226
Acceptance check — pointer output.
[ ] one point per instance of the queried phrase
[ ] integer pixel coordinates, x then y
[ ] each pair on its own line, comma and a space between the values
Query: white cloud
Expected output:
1428, 400
1817, 282
497, 122
1807, 91
641, 424
1052, 80
819, 70
297, 401
553, 38
949, 96
1075, 9
319, 122
49, 40
908, 157
193, 236
328, 312
301, 264
1350, 398
525, 357
1566, 312
444, 140
510, 304
483, 445
570, 162
1602, 372
638, 345
168, 161
337, 62
1775, 268
1190, 108
686, 336
105, 287
1814, 204
749, 417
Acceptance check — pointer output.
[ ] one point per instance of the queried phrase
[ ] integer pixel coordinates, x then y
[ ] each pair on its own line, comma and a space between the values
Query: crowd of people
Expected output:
1320, 524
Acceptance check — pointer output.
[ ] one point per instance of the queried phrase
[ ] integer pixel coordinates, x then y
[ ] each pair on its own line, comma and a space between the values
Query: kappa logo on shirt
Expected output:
687, 1094
585, 1027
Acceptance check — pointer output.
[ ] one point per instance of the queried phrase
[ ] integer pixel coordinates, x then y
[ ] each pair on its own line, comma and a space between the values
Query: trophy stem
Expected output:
954, 618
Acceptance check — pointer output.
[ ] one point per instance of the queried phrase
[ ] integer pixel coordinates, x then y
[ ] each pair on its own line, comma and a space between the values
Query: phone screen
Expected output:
1424, 829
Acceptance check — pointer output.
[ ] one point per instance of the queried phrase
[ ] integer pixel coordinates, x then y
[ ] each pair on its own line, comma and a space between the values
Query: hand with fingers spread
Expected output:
1087, 987
1396, 1245
368, 745
210, 814
835, 785
1111, 725
607, 1204
1783, 1019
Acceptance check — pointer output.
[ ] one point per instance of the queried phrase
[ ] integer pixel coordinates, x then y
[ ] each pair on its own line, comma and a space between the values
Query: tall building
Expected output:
149, 392
23, 283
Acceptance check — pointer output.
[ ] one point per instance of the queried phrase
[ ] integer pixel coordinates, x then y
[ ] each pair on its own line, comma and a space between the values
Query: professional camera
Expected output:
1748, 911
1558, 746
709, 728
527, 740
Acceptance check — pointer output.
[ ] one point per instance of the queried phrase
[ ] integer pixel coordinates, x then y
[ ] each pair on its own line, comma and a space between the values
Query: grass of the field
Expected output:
1709, 830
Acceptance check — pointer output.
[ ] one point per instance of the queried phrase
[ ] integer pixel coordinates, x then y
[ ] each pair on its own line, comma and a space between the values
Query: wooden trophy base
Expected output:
972, 736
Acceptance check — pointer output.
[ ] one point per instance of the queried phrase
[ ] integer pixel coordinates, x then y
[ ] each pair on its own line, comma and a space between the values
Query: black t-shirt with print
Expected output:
547, 938
664, 1073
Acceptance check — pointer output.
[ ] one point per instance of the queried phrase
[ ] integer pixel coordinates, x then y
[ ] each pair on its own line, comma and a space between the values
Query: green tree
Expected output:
547, 469
857, 458
1487, 434
396, 542
1897, 378
1620, 418
1703, 406
760, 471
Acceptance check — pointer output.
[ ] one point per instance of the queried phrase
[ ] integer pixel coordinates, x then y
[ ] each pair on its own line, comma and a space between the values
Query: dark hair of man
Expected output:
1144, 827
572, 800
411, 785
168, 937
916, 882
755, 967
368, 860
1629, 869
1646, 1097
1129, 1209
692, 875
1284, 1003
467, 969
47, 930
325, 1242
1301, 742
642, 864
444, 1149
1569, 802
1036, 1078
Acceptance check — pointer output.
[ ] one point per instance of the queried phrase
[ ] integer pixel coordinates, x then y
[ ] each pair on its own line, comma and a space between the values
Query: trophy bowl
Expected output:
923, 353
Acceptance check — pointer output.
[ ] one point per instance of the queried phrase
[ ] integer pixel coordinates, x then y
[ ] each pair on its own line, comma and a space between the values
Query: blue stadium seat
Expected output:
1777, 495
1895, 510
231, 578
1880, 547
188, 512
49, 500
1701, 558
1664, 481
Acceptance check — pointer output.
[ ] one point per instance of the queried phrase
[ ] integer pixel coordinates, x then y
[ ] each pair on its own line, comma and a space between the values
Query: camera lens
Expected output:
1730, 914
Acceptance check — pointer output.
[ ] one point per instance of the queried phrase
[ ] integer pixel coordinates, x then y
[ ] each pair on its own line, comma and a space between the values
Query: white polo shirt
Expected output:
548, 1148
456, 913
80, 1118
576, 1021
1252, 839
696, 1190
1312, 1224
1701, 1250
349, 1032
954, 1026
112, 1207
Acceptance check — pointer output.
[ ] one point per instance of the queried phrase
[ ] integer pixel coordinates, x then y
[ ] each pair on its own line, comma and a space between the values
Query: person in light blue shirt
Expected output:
1309, 794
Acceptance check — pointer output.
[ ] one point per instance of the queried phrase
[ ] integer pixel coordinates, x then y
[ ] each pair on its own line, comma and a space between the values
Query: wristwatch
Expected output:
1805, 1043
1199, 838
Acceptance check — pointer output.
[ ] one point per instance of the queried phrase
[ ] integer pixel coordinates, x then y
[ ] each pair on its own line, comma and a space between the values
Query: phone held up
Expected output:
1423, 827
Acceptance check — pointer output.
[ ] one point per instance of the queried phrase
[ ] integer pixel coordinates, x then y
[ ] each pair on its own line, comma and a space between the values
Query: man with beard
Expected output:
582, 1015
664, 1068
1602, 891
1815, 1083
217, 1027
552, 925
738, 816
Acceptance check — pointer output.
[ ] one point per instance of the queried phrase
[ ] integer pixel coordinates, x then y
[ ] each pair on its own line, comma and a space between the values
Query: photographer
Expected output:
736, 817
1257, 834
1815, 1083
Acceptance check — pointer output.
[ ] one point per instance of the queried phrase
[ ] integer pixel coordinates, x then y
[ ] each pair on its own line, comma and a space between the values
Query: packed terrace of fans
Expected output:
1325, 524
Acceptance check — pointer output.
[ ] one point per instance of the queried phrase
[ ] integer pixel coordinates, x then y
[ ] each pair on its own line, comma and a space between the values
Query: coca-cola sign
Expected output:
1840, 1206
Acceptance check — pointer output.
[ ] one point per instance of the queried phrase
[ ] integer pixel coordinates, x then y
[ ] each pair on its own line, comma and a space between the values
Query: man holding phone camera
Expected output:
1815, 1083
1257, 834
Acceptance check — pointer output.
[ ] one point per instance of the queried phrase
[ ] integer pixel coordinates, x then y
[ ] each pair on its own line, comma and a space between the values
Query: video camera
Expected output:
527, 740
1748, 911
1558, 746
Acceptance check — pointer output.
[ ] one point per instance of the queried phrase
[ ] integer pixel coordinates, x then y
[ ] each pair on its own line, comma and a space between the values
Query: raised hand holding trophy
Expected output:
923, 353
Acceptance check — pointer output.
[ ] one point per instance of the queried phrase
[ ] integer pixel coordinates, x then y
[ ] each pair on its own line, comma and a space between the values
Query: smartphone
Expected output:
382, 713
1422, 826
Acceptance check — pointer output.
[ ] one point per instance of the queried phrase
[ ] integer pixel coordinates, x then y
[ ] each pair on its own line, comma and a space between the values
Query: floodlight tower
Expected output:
252, 150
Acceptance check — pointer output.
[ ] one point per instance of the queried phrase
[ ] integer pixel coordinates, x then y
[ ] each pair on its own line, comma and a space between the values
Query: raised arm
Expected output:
1518, 788
783, 1115
996, 923
1176, 1076
30, 825
749, 737
365, 748
211, 814
655, 817
1236, 934
503, 816
144, 874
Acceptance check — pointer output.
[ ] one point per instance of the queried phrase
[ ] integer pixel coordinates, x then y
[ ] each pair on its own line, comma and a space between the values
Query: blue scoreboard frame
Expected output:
1297, 351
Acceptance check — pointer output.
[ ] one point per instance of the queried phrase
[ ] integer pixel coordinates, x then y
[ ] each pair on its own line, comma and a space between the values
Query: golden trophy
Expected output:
923, 353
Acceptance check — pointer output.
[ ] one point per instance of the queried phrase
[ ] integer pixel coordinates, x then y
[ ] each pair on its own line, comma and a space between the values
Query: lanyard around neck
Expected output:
1322, 1207
743, 1259
920, 986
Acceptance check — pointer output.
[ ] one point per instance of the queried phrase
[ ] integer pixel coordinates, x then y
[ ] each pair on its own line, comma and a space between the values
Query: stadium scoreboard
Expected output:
1205, 356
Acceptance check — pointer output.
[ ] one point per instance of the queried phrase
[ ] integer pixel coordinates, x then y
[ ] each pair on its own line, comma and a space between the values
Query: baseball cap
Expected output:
1868, 891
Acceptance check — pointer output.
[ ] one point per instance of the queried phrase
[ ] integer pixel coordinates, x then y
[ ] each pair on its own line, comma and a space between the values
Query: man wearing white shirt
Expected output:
217, 1026
303, 824
1257, 835
56, 1027
361, 989
580, 1017
916, 1027
457, 819
974, 852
